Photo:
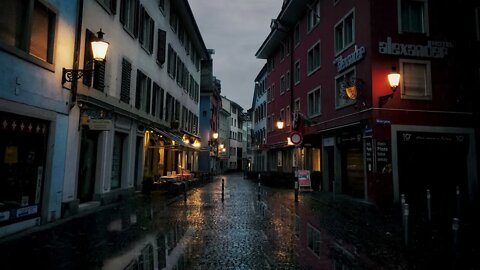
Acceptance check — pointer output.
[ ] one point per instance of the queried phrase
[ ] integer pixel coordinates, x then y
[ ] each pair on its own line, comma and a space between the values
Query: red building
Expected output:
328, 65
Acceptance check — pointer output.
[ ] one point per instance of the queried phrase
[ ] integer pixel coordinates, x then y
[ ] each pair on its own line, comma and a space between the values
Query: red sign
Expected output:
296, 138
304, 178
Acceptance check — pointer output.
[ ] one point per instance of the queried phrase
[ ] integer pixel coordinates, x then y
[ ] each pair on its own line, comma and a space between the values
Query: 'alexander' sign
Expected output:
433, 49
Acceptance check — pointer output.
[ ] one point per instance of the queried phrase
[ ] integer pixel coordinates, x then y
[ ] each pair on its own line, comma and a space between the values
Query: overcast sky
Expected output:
235, 29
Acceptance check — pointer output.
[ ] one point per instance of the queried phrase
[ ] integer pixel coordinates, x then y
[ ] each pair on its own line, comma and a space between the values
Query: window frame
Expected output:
23, 51
131, 25
342, 22
296, 74
428, 80
319, 99
283, 85
425, 17
313, 16
312, 50
296, 35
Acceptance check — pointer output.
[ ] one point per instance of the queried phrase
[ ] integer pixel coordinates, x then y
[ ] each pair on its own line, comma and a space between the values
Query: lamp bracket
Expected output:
70, 75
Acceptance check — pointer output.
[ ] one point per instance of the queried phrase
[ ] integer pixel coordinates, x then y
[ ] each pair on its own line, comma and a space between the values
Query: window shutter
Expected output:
138, 90
141, 25
126, 79
99, 75
148, 98
136, 21
162, 39
88, 58
122, 11
113, 6
152, 35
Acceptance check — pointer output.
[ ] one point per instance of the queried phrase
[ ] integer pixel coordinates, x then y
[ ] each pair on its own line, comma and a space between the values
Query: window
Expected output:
296, 107
416, 79
172, 62
27, 35
161, 46
313, 58
147, 27
288, 116
413, 16
313, 239
314, 102
109, 5
126, 80
88, 63
296, 72
282, 51
143, 92
313, 15
129, 16
157, 98
173, 19
282, 115
296, 35
344, 33
273, 92
269, 95
283, 85
288, 80
168, 107
341, 82
161, 5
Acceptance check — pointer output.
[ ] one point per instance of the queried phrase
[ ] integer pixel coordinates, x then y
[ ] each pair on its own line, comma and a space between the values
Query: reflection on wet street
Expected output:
245, 231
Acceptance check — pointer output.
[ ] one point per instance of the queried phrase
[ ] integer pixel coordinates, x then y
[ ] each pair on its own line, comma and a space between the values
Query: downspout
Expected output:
76, 50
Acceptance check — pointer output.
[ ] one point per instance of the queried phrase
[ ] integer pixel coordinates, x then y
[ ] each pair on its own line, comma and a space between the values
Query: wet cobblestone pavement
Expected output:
240, 232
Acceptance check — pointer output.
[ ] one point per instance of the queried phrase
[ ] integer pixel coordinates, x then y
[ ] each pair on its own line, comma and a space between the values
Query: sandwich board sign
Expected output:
304, 179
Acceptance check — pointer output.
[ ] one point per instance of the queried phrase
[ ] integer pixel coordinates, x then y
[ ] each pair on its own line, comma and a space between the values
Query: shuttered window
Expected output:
126, 80
161, 46
99, 75
129, 16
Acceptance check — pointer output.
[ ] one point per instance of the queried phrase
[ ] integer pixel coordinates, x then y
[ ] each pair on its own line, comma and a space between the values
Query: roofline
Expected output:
205, 55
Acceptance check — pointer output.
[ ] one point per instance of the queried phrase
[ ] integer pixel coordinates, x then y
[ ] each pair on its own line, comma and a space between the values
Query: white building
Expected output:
137, 118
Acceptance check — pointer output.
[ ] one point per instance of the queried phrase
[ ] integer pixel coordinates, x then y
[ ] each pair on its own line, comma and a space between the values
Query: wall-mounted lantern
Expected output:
99, 49
394, 81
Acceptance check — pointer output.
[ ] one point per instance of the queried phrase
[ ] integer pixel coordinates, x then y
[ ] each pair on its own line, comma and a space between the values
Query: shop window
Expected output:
341, 81
316, 161
27, 28
129, 15
313, 239
413, 16
313, 60
416, 79
345, 33
22, 151
314, 102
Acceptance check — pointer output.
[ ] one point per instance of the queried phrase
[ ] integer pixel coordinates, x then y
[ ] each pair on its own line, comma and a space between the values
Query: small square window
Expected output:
413, 16
416, 79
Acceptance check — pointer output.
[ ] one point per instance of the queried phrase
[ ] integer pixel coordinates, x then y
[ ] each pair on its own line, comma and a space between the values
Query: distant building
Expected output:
259, 116
224, 134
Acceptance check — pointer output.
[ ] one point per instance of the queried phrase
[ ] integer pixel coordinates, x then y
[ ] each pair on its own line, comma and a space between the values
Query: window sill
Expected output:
313, 71
339, 107
424, 98
27, 57
346, 47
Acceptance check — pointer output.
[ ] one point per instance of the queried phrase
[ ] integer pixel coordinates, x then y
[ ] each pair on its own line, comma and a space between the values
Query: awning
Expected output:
177, 139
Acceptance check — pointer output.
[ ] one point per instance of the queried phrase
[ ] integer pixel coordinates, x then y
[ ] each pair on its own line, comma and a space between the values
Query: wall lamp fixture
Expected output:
394, 80
280, 123
99, 49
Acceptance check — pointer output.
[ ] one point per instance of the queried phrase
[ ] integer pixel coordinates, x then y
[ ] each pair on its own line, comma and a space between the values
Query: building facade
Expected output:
136, 119
259, 119
328, 63
223, 135
34, 110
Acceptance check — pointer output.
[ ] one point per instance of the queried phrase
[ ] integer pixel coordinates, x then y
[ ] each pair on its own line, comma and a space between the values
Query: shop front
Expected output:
23, 151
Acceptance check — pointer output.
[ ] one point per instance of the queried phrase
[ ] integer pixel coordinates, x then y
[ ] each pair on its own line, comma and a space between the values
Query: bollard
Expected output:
457, 192
184, 191
429, 206
405, 222
455, 229
296, 190
223, 190
333, 189
259, 191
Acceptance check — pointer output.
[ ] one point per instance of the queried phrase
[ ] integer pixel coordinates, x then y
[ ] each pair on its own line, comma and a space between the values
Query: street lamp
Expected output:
280, 123
215, 135
394, 81
99, 49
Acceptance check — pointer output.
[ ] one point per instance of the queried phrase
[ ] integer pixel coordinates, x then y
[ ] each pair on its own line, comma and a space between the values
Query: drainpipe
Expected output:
76, 50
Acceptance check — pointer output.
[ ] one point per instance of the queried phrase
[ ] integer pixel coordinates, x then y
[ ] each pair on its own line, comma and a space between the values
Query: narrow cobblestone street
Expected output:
244, 231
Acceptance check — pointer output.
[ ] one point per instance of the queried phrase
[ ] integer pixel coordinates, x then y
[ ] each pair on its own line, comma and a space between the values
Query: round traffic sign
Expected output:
296, 138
